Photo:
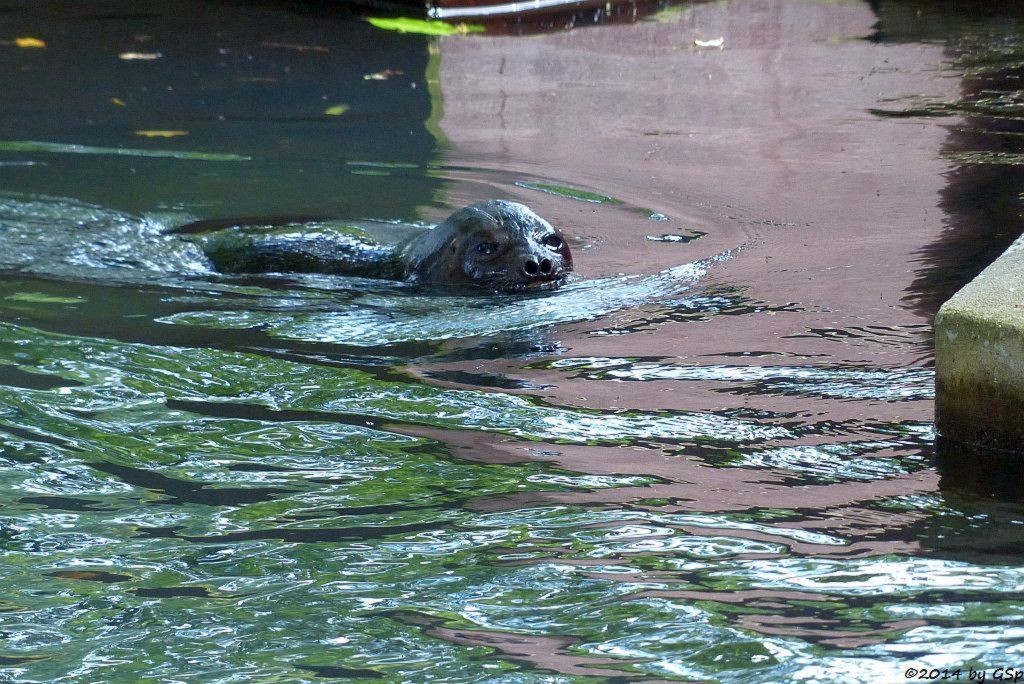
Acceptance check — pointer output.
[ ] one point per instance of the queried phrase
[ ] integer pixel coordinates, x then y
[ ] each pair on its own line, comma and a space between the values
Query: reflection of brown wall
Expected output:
768, 143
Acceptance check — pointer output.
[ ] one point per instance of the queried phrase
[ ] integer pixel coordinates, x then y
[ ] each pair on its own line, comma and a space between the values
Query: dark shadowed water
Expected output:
710, 457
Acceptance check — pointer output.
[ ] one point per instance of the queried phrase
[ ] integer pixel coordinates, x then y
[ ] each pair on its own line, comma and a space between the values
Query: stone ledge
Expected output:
979, 358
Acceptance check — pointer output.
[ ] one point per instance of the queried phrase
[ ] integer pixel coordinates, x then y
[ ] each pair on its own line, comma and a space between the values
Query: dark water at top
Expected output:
708, 458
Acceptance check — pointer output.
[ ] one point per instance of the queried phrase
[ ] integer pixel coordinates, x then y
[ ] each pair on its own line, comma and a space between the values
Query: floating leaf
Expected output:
336, 110
62, 148
140, 56
572, 193
119, 102
712, 42
29, 42
423, 26
161, 134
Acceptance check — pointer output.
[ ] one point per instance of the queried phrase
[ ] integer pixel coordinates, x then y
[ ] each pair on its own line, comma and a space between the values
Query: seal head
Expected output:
498, 245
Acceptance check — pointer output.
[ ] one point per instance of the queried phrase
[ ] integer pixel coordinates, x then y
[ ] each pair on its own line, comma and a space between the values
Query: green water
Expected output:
293, 479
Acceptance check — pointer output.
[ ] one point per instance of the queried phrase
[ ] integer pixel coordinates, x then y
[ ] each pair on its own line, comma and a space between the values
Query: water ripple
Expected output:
896, 384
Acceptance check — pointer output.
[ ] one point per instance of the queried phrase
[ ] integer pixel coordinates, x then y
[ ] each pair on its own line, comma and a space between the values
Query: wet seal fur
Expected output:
498, 245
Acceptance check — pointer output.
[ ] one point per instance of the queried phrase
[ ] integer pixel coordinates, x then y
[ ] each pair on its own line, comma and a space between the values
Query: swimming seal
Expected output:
498, 245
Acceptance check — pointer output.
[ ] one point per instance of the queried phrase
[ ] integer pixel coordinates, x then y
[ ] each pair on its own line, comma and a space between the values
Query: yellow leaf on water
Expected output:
160, 134
119, 102
142, 56
336, 110
28, 42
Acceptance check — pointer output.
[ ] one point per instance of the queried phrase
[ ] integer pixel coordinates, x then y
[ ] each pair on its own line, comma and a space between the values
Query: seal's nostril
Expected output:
545, 266
530, 266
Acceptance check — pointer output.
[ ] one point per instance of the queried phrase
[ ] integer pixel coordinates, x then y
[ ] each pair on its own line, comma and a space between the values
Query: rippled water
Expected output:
709, 457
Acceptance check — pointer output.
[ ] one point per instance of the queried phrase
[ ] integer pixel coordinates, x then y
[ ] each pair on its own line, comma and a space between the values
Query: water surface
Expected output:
710, 457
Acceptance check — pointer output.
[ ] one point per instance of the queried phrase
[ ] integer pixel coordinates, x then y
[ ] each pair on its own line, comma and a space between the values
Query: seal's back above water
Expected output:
498, 245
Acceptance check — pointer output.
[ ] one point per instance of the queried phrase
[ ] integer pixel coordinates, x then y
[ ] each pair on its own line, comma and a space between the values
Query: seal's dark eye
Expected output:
487, 248
553, 241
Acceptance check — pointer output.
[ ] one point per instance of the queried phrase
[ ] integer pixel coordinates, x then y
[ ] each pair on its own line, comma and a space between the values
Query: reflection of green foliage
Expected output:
433, 78
422, 26
571, 193
107, 480
40, 298
327, 394
61, 148
326, 476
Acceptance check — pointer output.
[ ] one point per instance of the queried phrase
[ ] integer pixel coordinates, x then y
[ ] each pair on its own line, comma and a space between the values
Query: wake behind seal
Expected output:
498, 245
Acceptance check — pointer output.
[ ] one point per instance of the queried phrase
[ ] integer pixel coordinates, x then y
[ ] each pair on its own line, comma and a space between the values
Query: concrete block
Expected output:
979, 358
